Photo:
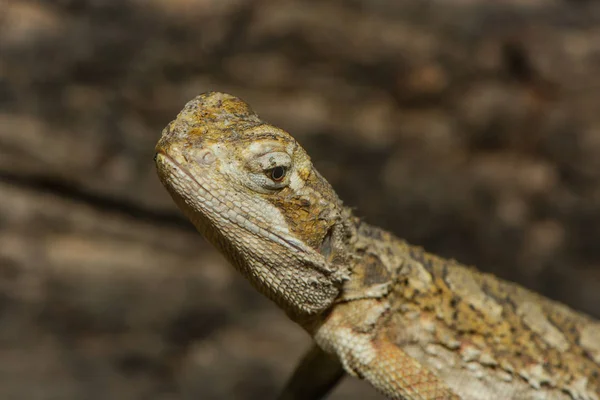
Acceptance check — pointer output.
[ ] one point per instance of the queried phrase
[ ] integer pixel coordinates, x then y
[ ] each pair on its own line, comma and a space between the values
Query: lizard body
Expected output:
415, 326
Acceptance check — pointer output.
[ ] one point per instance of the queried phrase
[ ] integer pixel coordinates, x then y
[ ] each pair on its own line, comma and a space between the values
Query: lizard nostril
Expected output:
205, 157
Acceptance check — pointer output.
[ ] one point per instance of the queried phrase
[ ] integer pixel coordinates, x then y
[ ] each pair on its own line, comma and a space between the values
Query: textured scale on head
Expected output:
253, 192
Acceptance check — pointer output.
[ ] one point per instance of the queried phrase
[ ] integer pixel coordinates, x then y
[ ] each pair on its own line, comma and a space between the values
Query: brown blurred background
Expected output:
471, 127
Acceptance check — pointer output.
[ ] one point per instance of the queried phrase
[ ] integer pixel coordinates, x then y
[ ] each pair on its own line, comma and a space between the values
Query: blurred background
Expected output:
470, 127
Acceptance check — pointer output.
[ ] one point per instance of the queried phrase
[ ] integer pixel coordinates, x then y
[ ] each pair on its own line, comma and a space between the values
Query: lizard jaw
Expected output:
230, 229
210, 205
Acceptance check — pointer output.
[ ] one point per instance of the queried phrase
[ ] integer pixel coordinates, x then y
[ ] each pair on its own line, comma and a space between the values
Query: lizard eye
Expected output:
277, 174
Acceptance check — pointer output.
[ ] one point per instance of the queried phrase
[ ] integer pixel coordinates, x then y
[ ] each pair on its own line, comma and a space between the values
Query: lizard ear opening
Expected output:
326, 247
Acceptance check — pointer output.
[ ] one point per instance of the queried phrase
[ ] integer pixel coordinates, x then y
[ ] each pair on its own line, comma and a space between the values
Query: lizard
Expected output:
413, 325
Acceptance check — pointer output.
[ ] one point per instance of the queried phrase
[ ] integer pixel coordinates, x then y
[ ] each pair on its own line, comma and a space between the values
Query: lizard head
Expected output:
253, 192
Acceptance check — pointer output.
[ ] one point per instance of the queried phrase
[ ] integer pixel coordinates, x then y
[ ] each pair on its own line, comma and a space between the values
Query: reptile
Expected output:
413, 325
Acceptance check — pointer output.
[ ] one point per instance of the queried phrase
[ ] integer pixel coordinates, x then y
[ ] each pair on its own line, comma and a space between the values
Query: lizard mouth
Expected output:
209, 205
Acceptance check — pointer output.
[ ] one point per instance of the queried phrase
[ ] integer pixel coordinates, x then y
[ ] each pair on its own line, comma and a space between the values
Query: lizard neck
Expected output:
338, 247
349, 246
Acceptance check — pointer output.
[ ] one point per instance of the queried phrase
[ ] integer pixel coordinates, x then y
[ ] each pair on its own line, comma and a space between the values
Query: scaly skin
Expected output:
415, 326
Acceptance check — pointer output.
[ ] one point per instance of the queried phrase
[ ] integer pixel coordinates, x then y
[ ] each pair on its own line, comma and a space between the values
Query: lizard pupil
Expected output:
277, 173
